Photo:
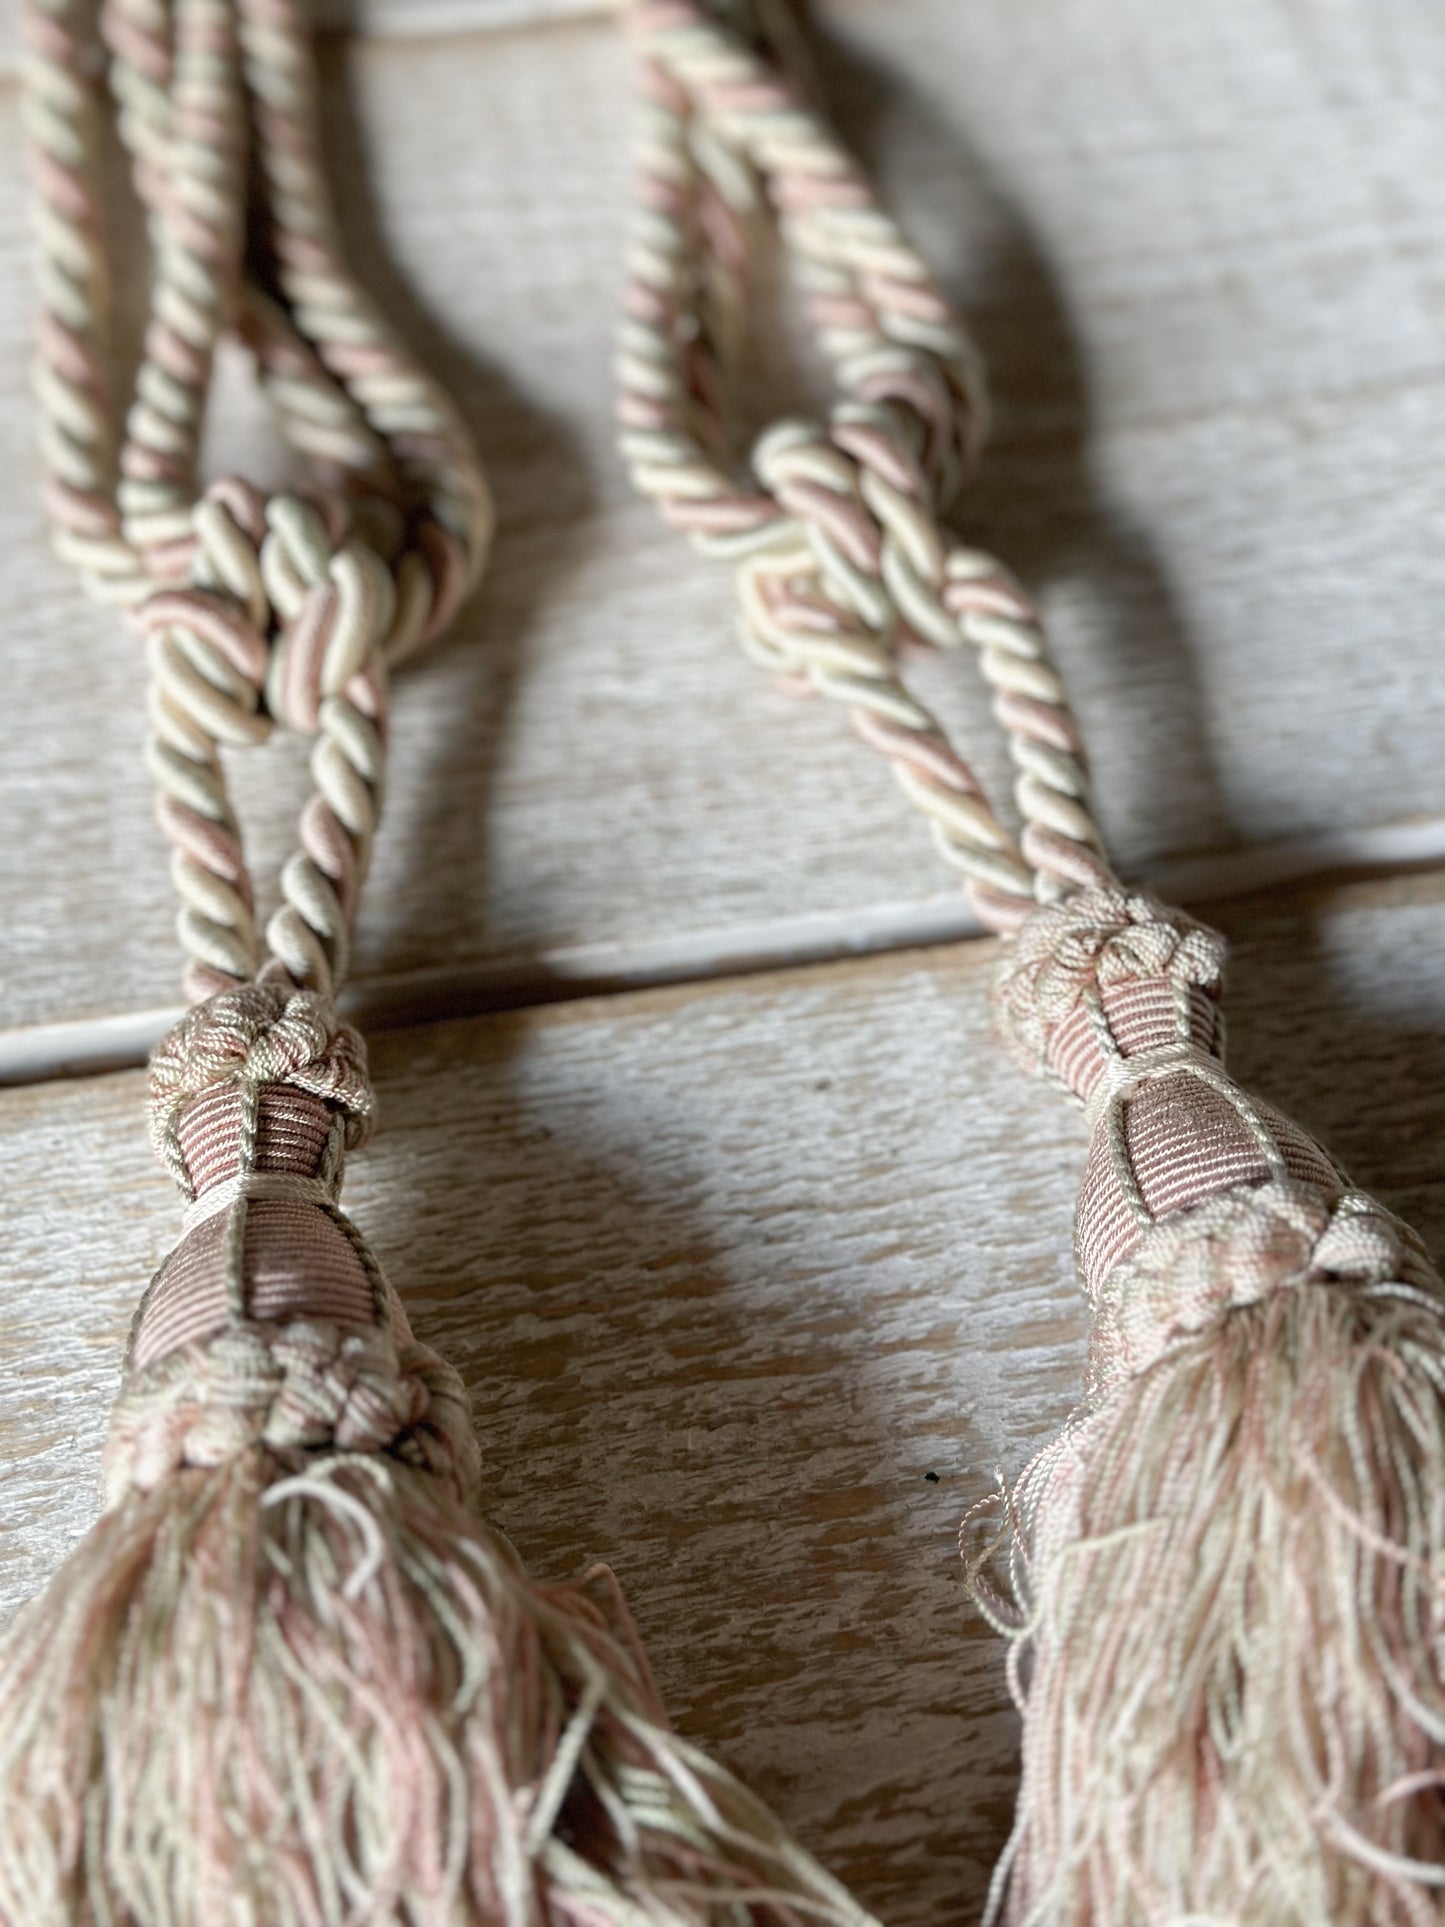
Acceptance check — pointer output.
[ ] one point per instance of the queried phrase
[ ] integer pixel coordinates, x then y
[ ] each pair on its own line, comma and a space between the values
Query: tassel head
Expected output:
1229, 1570
290, 1675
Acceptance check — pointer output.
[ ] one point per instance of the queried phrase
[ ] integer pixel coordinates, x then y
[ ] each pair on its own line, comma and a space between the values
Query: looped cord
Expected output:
283, 624
841, 554
255, 612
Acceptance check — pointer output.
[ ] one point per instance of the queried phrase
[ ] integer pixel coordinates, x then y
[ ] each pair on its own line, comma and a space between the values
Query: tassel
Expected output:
1229, 1641
290, 1676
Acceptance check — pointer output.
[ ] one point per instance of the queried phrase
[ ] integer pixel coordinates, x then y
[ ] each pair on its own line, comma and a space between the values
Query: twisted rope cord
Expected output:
839, 550
255, 612
320, 420
190, 153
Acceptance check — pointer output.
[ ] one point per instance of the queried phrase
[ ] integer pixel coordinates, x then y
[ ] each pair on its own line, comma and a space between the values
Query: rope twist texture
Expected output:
255, 612
840, 551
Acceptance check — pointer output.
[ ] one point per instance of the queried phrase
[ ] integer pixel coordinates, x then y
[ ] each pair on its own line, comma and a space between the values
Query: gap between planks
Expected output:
87, 1047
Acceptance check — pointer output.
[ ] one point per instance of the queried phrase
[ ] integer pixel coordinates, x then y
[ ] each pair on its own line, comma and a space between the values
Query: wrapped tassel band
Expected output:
1117, 999
1197, 1197
271, 1323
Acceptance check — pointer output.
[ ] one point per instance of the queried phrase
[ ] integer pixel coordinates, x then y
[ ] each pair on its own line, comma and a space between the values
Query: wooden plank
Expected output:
754, 1284
1206, 263
388, 19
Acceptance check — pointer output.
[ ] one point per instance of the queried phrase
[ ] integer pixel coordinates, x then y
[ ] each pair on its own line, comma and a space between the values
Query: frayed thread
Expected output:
317, 1690
1228, 1637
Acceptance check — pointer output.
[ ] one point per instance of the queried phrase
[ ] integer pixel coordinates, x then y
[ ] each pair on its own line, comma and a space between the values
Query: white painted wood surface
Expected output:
731, 1270
1206, 251
733, 1267
386, 19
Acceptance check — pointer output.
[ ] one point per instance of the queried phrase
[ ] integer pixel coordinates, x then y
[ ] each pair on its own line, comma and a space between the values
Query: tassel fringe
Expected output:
292, 1690
1229, 1644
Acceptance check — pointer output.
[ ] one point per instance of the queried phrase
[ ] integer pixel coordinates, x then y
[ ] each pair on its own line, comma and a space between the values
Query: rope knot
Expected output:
1090, 943
309, 1385
253, 1035
858, 494
209, 638
1236, 1249
335, 602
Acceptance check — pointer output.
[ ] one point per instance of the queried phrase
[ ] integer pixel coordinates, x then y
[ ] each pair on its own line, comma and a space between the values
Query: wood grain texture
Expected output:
385, 19
754, 1285
1206, 255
